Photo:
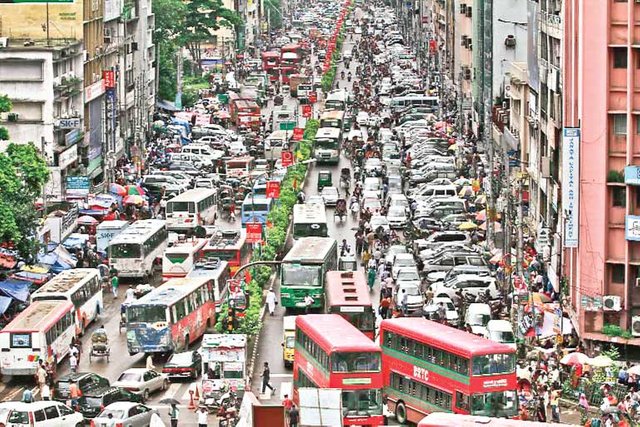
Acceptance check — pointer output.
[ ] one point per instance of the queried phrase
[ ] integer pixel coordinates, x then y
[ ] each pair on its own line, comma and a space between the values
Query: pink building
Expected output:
601, 85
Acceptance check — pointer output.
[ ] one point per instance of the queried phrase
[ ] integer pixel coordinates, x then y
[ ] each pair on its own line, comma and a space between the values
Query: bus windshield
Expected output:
125, 250
327, 143
256, 206
331, 123
355, 402
301, 275
147, 313
334, 104
355, 362
496, 404
307, 230
491, 364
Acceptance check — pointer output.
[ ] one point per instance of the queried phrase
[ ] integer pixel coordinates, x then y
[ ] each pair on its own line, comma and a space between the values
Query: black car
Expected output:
87, 382
183, 365
95, 401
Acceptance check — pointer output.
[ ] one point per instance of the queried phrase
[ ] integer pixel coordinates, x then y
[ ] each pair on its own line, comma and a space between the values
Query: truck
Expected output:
224, 365
295, 83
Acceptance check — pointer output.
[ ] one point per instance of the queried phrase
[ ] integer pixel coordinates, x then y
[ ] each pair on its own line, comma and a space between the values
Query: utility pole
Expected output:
179, 79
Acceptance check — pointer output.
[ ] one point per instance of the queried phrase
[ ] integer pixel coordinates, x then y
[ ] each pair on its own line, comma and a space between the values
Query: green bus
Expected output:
309, 220
303, 271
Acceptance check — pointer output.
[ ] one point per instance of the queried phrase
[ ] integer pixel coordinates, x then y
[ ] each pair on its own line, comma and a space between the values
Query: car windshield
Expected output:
412, 290
410, 274
404, 262
129, 376
479, 319
329, 191
397, 212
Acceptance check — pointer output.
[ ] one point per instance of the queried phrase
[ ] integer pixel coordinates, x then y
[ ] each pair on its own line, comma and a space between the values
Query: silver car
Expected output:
142, 381
129, 414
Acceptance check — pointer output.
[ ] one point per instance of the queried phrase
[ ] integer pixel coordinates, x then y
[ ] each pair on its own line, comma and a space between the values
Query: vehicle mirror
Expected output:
282, 344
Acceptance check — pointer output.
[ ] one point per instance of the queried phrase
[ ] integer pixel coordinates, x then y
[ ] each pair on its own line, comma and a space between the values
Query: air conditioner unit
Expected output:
85, 55
611, 303
638, 279
469, 11
635, 320
107, 36
13, 117
510, 41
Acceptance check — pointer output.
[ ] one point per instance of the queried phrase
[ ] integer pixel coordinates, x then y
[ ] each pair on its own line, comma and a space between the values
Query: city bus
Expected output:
348, 295
431, 367
171, 317
332, 119
255, 209
327, 144
283, 116
303, 270
136, 251
218, 272
82, 287
44, 330
239, 167
400, 102
245, 112
191, 209
230, 246
336, 100
178, 259
276, 142
271, 64
445, 419
309, 221
331, 353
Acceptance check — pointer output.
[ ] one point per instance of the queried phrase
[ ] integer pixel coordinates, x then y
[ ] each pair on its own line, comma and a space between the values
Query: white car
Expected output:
206, 183
237, 148
39, 414
330, 195
501, 331
142, 381
362, 119
129, 414
414, 296
403, 260
408, 275
372, 203
453, 318
397, 217
472, 284
378, 221
478, 316
315, 200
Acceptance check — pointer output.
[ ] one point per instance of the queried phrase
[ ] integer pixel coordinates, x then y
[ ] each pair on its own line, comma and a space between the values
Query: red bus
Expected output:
291, 54
245, 112
271, 64
430, 367
443, 419
347, 294
331, 353
230, 246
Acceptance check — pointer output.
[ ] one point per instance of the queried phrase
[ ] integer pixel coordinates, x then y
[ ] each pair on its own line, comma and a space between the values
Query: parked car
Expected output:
92, 403
469, 284
86, 381
501, 331
478, 316
187, 364
129, 414
431, 308
39, 414
414, 296
142, 381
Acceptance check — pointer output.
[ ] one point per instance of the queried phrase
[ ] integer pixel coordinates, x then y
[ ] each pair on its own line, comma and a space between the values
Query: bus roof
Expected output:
328, 133
208, 270
195, 194
246, 103
271, 54
290, 47
280, 134
455, 340
347, 288
66, 280
309, 214
444, 419
139, 229
312, 249
171, 291
333, 114
335, 334
190, 245
228, 239
252, 200
39, 316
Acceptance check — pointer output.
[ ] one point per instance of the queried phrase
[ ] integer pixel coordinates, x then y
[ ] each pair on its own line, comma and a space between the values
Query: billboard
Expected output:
571, 185
532, 46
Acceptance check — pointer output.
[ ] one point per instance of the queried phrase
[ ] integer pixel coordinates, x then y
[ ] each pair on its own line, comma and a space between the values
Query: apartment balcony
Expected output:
512, 138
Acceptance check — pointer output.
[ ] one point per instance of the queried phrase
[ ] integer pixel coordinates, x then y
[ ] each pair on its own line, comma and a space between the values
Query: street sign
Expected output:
306, 111
298, 134
287, 158
273, 189
254, 232
313, 97
287, 125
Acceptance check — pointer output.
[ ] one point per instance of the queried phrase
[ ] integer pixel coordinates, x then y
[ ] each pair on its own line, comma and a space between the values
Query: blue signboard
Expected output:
78, 186
632, 175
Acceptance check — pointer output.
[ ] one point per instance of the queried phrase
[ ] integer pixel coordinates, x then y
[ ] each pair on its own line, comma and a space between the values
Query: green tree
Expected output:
273, 11
5, 106
169, 16
202, 18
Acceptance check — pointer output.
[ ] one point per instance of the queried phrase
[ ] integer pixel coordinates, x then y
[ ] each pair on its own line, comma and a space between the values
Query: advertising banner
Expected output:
571, 185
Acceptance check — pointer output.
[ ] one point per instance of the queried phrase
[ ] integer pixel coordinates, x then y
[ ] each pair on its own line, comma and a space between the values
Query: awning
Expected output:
16, 289
166, 105
4, 304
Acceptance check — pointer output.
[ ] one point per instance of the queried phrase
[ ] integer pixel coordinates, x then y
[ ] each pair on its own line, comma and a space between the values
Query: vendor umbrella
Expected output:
117, 189
600, 362
466, 191
482, 215
539, 298
135, 189
87, 220
133, 199
467, 226
634, 370
481, 200
575, 358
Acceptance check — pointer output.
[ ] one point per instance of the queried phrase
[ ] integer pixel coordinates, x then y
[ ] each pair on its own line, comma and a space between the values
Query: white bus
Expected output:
282, 115
400, 102
43, 330
327, 145
82, 287
276, 142
337, 100
193, 208
178, 260
309, 221
135, 251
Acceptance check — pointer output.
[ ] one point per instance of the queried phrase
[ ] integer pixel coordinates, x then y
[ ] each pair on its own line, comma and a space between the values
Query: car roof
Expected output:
74, 376
404, 255
136, 370
121, 405
33, 406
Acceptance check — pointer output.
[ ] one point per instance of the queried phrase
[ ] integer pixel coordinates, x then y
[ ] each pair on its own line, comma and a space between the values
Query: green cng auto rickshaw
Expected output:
324, 179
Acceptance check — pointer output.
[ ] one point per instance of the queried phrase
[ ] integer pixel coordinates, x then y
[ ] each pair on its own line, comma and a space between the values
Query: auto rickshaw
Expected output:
324, 179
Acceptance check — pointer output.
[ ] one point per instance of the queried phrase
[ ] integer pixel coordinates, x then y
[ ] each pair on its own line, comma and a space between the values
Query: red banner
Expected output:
254, 232
287, 158
298, 133
306, 111
313, 97
109, 79
273, 189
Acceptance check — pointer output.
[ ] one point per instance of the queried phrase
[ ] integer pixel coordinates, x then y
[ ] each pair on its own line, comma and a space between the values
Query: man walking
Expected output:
174, 413
115, 282
294, 416
266, 376
308, 302
271, 301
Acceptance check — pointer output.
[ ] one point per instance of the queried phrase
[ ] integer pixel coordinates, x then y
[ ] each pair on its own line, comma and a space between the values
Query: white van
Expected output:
501, 331
39, 414
203, 152
478, 315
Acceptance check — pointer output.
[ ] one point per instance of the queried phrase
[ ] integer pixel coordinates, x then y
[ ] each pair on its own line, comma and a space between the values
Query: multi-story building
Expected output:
43, 80
601, 140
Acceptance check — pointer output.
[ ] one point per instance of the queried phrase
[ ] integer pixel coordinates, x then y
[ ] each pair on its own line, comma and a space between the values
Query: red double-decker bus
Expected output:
430, 367
332, 353
443, 419
271, 64
347, 294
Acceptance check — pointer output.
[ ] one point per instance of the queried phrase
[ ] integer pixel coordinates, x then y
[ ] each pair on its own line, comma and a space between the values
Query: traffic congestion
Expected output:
386, 289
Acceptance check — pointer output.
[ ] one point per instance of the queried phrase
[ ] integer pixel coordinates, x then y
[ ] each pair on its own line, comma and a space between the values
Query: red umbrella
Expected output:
117, 189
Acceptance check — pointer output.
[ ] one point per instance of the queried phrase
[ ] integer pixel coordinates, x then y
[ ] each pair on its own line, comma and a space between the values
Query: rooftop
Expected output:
39, 44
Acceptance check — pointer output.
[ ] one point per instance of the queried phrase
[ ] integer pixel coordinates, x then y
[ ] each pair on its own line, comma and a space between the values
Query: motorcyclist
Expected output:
348, 76
342, 75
